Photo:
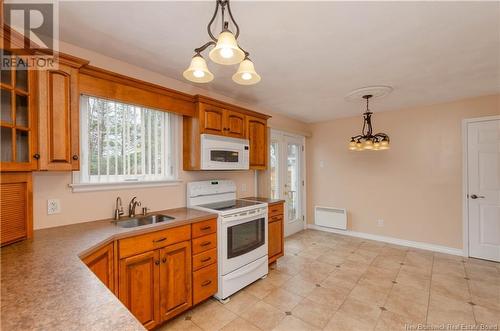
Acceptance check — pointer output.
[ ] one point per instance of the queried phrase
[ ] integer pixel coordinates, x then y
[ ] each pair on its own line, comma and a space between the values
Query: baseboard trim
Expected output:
391, 240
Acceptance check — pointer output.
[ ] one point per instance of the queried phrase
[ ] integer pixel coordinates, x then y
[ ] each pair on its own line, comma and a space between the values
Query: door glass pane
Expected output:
22, 79
22, 146
6, 77
292, 181
274, 159
6, 74
21, 110
6, 144
6, 104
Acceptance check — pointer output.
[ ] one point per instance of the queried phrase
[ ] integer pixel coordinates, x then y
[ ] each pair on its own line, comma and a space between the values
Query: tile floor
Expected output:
333, 282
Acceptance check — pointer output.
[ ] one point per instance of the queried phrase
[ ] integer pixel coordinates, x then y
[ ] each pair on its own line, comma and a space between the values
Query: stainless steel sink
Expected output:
143, 220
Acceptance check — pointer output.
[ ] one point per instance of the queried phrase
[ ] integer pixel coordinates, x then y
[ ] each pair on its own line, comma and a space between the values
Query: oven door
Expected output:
244, 241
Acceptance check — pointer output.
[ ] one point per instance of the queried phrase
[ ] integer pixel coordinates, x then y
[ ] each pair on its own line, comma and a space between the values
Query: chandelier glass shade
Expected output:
367, 140
225, 51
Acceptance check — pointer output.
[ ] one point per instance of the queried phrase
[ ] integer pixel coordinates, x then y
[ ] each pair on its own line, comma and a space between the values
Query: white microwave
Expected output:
224, 153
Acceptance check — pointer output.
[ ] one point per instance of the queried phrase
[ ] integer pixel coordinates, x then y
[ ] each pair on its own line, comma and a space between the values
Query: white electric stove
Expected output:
241, 233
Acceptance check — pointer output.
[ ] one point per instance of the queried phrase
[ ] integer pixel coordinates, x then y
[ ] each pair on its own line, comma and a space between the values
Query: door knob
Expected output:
473, 196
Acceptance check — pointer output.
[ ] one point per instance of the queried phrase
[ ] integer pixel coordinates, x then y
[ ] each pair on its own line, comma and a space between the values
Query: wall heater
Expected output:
330, 217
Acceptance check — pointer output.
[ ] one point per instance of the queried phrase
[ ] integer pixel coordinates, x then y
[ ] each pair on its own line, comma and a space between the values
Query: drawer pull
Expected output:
206, 243
160, 240
206, 259
208, 227
206, 283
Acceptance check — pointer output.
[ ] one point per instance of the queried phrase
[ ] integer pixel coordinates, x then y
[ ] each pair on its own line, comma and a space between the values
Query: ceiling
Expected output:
310, 54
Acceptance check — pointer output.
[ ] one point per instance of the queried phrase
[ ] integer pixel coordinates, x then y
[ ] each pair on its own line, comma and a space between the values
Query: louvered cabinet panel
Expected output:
16, 219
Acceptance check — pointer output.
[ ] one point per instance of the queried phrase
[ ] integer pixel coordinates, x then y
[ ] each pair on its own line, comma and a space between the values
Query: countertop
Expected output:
45, 285
269, 201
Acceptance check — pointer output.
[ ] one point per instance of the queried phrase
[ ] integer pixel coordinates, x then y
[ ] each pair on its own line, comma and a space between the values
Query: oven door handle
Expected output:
239, 272
228, 221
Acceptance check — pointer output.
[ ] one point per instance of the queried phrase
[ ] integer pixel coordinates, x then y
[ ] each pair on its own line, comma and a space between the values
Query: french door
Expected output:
483, 188
287, 177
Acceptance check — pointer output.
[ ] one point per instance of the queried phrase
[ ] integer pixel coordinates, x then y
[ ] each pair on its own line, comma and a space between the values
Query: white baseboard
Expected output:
392, 240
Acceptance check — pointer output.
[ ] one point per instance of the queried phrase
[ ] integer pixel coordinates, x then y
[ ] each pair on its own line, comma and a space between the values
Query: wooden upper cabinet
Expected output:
16, 211
223, 119
175, 279
101, 262
234, 124
257, 136
220, 121
18, 150
139, 286
59, 119
211, 119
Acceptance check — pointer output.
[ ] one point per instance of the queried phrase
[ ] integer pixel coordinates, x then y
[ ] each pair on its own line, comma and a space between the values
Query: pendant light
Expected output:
367, 140
198, 71
246, 74
226, 52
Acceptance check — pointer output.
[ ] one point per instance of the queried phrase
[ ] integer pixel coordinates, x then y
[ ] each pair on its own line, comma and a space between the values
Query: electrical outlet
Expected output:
380, 223
243, 187
321, 164
53, 206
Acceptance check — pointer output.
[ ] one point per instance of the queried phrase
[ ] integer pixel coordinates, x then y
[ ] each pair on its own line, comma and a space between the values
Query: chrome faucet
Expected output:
118, 209
131, 206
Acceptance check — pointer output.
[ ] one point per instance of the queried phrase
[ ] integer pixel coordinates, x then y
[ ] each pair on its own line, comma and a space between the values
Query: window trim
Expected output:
77, 186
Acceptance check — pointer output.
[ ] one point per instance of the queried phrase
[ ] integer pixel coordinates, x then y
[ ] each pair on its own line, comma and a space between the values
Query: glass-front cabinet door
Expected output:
17, 118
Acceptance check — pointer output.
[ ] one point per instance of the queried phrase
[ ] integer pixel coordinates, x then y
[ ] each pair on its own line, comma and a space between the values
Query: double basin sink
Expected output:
143, 220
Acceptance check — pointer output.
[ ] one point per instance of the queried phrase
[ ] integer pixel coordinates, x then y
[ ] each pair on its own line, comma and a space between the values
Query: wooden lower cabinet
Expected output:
175, 279
139, 286
101, 263
276, 244
158, 275
16, 207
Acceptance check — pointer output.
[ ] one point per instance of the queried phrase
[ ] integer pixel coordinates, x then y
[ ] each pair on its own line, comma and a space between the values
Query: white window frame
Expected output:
172, 141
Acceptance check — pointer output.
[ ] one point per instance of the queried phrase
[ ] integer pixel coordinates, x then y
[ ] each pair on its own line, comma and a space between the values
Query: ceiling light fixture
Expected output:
226, 52
367, 140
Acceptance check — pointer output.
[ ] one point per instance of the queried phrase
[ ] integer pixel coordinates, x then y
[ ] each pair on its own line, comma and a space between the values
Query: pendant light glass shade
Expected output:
226, 51
246, 74
198, 71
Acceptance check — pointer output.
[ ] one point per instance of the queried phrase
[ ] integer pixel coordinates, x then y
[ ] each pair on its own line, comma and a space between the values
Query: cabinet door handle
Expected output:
157, 262
206, 283
205, 228
36, 156
160, 240
164, 260
206, 243
206, 259
75, 157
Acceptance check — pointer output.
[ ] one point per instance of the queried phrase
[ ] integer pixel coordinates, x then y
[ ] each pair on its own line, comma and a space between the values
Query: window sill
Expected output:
92, 187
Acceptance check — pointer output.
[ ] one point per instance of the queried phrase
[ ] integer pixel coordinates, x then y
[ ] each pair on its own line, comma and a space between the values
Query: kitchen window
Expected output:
123, 144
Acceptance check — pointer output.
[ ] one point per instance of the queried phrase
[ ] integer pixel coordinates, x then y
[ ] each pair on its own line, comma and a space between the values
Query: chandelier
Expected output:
367, 140
226, 52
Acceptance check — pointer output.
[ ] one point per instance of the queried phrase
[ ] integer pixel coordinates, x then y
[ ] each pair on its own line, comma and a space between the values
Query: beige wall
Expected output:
81, 207
415, 187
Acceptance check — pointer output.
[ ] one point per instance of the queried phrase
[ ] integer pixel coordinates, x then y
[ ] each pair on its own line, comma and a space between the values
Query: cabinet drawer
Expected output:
203, 228
276, 209
204, 243
203, 259
153, 240
204, 283
275, 218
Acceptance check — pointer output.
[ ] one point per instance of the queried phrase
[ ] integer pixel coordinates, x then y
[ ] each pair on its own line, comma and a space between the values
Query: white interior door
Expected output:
483, 184
287, 177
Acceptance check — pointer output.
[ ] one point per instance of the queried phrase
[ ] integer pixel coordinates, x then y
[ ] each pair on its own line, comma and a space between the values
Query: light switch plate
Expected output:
380, 223
53, 206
